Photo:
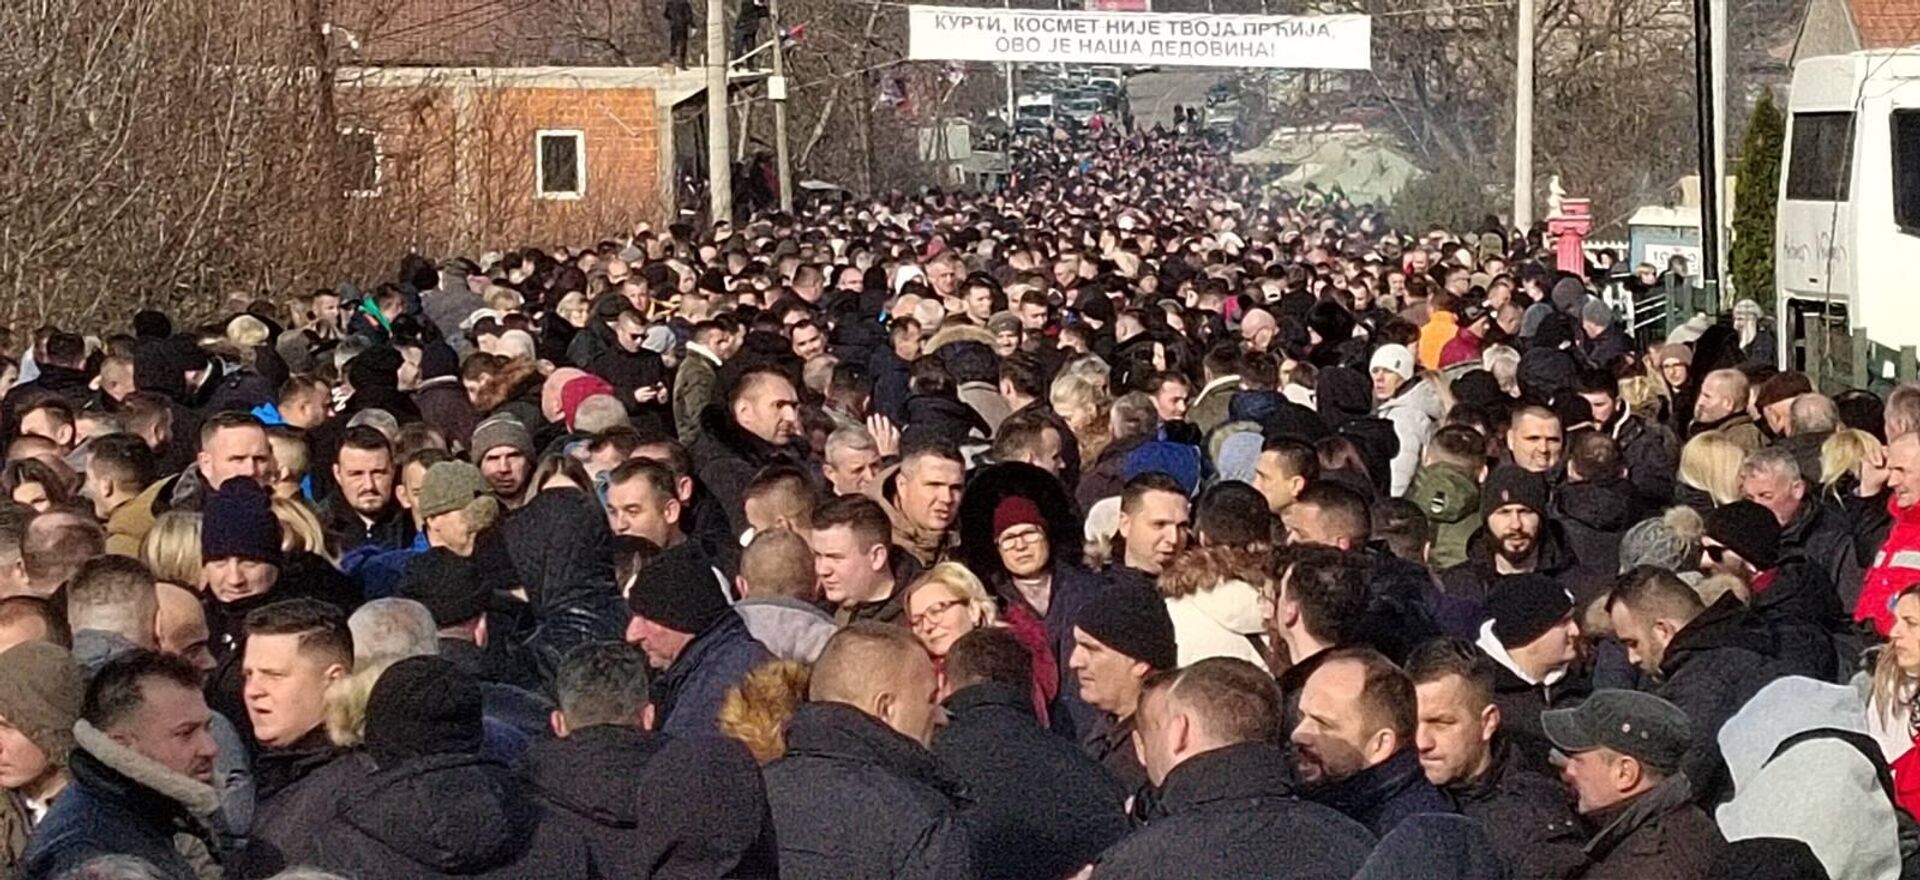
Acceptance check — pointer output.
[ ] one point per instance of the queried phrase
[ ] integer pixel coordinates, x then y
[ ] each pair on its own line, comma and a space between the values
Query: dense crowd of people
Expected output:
1140, 520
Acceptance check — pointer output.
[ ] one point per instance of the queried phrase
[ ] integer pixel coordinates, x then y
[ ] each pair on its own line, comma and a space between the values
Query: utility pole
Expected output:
1717, 27
1704, 119
719, 166
777, 90
1523, 118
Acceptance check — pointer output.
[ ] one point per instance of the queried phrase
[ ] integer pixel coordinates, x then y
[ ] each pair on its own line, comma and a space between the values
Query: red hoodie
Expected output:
1895, 567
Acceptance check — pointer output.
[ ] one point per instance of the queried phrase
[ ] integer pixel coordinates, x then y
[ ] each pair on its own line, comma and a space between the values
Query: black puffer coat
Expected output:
1594, 514
853, 799
447, 816
1230, 814
1043, 808
1527, 815
650, 805
1713, 666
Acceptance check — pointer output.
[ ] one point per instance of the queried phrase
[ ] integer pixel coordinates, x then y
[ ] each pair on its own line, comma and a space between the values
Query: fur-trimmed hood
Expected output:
951, 332
199, 798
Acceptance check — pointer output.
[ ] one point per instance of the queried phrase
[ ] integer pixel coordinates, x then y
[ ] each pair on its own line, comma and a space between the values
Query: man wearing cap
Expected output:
1121, 636
1518, 538
1466, 747
682, 621
503, 451
1708, 660
429, 803
40, 691
1413, 407
1624, 751
456, 595
243, 568
1790, 595
1531, 640
1602, 341
1772, 408
1354, 746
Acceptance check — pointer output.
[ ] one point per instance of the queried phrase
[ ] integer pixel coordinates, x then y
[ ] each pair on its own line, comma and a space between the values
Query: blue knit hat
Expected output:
1176, 460
237, 521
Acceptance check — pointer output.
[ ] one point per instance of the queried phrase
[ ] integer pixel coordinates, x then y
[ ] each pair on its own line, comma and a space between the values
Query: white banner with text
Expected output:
1320, 42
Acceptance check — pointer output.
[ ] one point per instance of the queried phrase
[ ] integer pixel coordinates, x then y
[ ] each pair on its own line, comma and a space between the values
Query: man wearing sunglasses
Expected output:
1790, 595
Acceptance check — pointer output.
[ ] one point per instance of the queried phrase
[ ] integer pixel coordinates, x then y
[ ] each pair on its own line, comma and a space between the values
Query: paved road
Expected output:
1154, 94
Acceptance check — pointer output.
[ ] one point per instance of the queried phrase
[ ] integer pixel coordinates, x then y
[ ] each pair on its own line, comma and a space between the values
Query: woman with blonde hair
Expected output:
948, 602
301, 531
1893, 694
757, 710
1085, 405
171, 549
1709, 472
1214, 597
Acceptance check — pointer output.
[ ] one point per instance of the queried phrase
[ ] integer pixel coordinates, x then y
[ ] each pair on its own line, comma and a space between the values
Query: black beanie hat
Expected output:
448, 584
438, 361
377, 367
1134, 622
1749, 530
152, 324
1513, 484
423, 706
678, 591
1523, 606
237, 521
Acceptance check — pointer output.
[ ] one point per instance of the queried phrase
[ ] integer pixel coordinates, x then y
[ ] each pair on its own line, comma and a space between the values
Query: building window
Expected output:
1822, 159
362, 161
560, 164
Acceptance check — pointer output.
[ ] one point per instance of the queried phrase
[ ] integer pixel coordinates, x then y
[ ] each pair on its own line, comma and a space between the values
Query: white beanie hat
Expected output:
1392, 357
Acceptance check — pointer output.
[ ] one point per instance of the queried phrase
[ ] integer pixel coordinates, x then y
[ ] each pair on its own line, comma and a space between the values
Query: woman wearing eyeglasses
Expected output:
948, 602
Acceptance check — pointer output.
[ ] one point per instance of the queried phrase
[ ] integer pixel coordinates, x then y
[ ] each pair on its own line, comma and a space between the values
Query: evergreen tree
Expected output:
1756, 193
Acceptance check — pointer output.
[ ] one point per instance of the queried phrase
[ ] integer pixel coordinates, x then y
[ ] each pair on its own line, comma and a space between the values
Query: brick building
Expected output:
534, 154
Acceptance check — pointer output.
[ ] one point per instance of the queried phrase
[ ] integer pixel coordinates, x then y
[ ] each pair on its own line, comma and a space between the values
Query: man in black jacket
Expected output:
295, 650
755, 426
427, 803
1518, 538
1594, 507
1042, 807
1774, 479
1122, 635
1648, 448
639, 377
1226, 807
1531, 641
1354, 747
142, 768
1320, 605
857, 793
362, 509
646, 803
1707, 660
455, 593
1466, 750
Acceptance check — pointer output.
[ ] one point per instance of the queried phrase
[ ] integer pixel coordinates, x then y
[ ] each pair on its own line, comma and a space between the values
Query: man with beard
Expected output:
142, 773
921, 498
1354, 746
1517, 539
363, 510
1723, 407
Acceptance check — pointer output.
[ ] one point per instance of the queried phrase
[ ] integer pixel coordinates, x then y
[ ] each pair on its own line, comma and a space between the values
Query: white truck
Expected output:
1847, 234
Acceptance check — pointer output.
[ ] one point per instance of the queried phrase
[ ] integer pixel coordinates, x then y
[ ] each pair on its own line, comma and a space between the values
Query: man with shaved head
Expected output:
1209, 735
1722, 407
856, 794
